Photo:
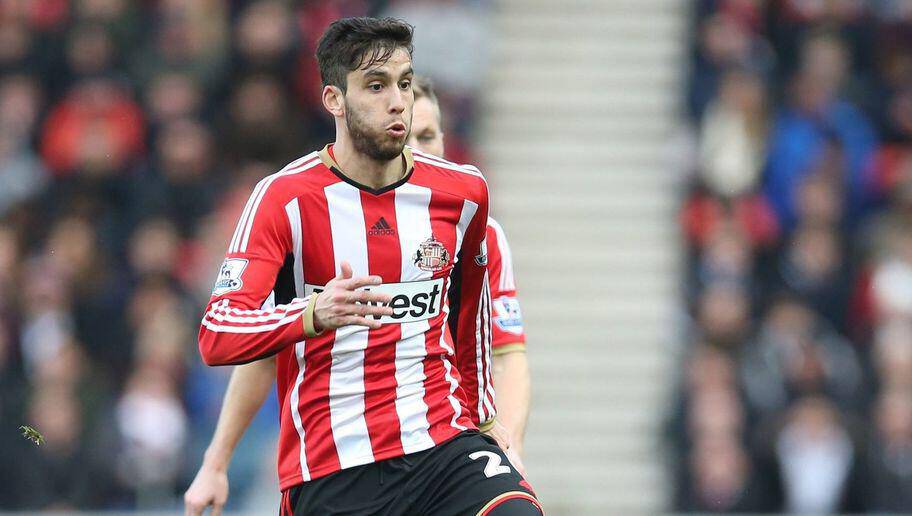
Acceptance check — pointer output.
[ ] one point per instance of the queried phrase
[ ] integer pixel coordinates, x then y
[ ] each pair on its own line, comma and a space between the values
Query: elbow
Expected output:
212, 361
207, 349
209, 358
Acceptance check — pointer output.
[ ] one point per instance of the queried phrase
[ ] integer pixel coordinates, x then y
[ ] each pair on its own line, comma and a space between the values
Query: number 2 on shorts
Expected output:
493, 466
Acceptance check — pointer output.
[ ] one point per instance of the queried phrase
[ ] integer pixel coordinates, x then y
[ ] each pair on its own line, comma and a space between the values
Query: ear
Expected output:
334, 100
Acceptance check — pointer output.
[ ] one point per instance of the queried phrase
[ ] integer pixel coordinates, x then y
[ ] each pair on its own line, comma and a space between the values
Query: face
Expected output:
426, 135
378, 107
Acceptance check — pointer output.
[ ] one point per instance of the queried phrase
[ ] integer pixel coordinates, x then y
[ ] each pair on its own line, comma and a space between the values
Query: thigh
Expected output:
368, 489
472, 475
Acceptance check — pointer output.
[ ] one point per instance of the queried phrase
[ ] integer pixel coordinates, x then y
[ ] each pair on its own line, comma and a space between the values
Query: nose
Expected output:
397, 103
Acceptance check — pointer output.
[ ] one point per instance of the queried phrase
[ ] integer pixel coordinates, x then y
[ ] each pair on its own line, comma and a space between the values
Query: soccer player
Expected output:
379, 312
250, 383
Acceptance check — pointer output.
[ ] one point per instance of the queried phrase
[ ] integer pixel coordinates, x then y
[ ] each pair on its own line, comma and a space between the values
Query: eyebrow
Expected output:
377, 72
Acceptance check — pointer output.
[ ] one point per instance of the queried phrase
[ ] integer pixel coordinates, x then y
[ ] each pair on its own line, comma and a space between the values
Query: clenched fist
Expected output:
342, 304
209, 489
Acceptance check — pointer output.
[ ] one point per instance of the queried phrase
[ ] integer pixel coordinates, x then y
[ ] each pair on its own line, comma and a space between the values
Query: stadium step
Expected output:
577, 117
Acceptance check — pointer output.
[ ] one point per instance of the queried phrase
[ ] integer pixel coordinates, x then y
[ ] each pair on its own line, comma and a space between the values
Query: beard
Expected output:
376, 145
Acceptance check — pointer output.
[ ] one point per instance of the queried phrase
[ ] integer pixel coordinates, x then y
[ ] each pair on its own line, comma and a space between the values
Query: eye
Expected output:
375, 86
406, 84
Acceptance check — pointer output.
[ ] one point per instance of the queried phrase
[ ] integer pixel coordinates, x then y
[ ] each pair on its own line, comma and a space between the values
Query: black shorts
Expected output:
466, 475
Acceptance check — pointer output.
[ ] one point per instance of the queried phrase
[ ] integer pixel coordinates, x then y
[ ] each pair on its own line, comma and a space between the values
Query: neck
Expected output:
363, 169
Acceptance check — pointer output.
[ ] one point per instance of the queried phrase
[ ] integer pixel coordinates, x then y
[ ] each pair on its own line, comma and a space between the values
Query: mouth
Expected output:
396, 130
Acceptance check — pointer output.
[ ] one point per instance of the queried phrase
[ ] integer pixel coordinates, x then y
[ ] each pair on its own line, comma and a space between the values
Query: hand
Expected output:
341, 304
209, 488
502, 436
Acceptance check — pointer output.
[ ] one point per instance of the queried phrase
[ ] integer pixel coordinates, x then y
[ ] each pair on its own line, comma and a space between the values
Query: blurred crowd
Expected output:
131, 133
796, 392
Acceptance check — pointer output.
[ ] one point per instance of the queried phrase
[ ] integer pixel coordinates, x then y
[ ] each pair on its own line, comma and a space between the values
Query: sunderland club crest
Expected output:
432, 255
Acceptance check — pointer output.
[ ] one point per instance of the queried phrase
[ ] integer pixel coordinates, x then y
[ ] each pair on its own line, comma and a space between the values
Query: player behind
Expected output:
379, 312
511, 369
250, 383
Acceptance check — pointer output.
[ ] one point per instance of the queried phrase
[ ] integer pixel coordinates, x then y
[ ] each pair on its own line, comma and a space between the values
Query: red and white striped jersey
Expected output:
507, 328
354, 396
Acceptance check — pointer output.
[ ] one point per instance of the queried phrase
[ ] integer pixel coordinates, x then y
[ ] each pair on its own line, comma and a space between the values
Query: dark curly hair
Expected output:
353, 43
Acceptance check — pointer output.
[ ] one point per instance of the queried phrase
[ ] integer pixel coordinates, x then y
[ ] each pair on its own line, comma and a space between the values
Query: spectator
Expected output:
715, 413
22, 174
727, 257
10, 258
713, 467
733, 136
265, 38
21, 102
187, 37
724, 315
721, 478
725, 42
179, 184
58, 477
892, 282
820, 131
162, 330
893, 354
97, 129
154, 249
174, 96
820, 201
119, 18
260, 124
818, 460
152, 427
890, 454
752, 215
47, 324
12, 385
813, 267
90, 52
796, 354
15, 45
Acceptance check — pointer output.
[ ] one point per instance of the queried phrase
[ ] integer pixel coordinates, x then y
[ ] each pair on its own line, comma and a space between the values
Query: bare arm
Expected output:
247, 390
512, 386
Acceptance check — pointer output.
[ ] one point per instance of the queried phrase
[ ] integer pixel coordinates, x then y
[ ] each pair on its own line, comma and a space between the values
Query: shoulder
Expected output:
455, 175
290, 180
497, 238
495, 229
295, 170
443, 165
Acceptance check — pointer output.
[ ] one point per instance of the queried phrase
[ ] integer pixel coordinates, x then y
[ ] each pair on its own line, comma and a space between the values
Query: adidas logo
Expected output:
381, 227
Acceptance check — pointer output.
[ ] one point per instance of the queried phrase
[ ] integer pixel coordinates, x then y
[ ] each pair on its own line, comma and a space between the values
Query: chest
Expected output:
411, 233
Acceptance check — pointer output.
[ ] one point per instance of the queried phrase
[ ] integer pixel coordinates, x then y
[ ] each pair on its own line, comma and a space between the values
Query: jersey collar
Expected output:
327, 157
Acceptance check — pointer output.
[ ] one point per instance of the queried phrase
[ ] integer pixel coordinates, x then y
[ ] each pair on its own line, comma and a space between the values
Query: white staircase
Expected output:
581, 102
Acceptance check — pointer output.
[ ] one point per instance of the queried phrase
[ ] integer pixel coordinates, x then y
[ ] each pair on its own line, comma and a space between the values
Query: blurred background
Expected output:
795, 381
709, 204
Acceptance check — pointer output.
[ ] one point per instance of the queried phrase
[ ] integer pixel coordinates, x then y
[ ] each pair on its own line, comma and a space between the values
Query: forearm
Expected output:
512, 384
247, 390
231, 335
